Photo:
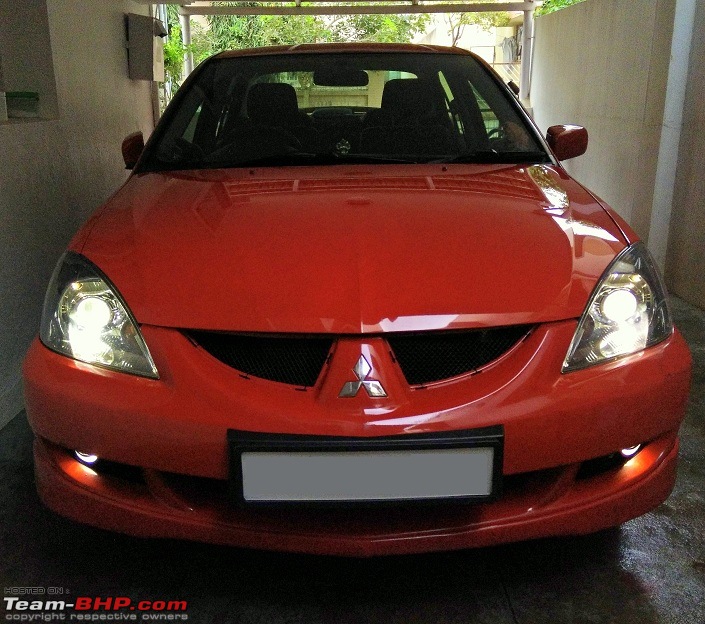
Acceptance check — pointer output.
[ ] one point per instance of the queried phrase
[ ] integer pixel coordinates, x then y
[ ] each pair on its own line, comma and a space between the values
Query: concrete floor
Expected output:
650, 570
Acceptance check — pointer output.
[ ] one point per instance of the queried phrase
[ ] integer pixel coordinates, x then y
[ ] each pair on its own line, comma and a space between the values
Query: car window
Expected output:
489, 117
299, 109
312, 96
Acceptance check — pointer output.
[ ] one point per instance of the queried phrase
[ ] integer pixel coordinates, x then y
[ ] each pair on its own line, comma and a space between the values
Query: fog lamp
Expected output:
630, 451
87, 459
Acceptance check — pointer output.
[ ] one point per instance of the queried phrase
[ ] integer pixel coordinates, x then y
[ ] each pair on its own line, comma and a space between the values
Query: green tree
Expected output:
291, 29
487, 20
250, 31
231, 31
227, 32
378, 28
549, 6
174, 52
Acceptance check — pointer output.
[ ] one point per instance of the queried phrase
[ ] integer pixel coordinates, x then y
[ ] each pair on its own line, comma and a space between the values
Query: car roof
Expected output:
328, 48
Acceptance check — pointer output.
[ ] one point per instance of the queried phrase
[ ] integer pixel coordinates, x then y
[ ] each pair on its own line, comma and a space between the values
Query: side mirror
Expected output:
132, 147
567, 141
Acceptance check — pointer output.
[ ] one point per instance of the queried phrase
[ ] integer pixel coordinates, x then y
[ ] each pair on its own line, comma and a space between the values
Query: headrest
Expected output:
406, 97
271, 101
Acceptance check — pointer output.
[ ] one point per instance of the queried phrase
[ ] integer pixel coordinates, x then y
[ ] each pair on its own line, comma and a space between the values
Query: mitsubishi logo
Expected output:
372, 386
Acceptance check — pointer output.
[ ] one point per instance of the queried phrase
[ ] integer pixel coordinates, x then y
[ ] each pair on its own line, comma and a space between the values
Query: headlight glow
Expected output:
619, 305
85, 318
91, 314
627, 312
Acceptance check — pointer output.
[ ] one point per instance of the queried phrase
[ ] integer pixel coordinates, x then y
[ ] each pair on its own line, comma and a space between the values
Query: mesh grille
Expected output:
425, 358
295, 361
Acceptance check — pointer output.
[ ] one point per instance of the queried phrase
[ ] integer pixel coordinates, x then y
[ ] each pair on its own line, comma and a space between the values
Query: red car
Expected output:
349, 302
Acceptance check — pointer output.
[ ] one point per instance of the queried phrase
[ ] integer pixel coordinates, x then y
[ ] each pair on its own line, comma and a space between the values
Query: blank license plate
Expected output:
424, 474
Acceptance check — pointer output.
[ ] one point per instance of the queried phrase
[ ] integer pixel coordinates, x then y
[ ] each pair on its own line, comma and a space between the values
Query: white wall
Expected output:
54, 172
685, 264
473, 37
604, 64
635, 79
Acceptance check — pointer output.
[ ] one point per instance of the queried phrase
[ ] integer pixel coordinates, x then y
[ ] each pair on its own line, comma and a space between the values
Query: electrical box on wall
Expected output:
145, 48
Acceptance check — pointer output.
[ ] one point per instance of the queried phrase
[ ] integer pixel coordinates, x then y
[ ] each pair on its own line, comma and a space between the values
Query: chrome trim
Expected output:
373, 387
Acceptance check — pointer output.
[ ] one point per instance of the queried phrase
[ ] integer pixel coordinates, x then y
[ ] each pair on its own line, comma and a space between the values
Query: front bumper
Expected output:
175, 430
541, 505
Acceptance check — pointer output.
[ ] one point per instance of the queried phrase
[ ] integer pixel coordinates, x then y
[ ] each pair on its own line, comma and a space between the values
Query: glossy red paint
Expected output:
178, 425
557, 504
356, 252
351, 48
567, 141
333, 266
179, 422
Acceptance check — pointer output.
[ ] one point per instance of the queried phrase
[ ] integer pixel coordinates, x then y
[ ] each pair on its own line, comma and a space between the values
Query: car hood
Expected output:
351, 249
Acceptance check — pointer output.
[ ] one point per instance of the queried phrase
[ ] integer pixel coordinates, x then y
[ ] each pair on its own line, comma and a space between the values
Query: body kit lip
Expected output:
564, 507
353, 249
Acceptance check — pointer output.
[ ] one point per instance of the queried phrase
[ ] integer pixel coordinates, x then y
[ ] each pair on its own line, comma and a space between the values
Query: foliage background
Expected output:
225, 32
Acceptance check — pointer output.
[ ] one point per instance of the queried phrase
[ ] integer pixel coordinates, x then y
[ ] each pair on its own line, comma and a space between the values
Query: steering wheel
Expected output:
188, 150
496, 134
256, 141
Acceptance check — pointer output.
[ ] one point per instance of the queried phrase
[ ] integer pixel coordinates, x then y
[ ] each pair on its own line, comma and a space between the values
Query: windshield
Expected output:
305, 109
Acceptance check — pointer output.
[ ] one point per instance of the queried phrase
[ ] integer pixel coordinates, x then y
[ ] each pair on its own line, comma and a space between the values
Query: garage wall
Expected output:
56, 170
635, 79
685, 267
604, 64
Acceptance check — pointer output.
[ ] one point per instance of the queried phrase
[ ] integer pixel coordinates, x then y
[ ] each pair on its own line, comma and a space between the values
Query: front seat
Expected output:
274, 104
409, 121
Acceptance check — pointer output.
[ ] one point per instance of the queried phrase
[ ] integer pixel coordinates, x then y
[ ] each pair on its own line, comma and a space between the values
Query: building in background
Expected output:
498, 45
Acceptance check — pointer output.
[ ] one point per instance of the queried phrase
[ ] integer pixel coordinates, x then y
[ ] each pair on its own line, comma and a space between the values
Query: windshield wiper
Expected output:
306, 158
285, 159
491, 157
368, 158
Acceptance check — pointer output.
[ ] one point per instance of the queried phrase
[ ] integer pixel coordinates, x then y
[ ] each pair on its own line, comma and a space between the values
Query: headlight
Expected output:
85, 318
628, 311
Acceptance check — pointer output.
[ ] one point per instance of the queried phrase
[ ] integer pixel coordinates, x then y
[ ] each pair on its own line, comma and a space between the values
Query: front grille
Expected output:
296, 361
428, 357
423, 357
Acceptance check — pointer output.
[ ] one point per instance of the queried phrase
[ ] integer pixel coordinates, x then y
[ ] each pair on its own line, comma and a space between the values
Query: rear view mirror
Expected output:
340, 77
567, 141
132, 147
